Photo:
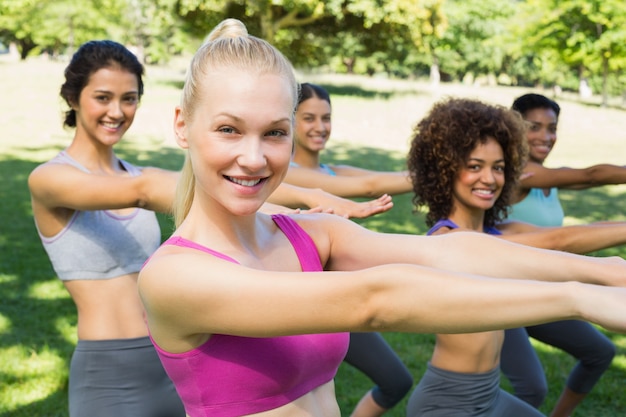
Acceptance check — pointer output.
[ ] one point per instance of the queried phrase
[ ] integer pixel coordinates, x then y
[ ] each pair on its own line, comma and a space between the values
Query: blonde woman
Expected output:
249, 312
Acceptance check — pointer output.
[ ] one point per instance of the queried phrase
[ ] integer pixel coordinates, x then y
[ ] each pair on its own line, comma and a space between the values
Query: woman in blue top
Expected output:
536, 200
368, 352
313, 128
465, 159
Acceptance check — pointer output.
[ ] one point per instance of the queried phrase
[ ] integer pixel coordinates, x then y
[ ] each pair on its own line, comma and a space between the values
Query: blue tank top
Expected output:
450, 224
327, 169
100, 244
538, 209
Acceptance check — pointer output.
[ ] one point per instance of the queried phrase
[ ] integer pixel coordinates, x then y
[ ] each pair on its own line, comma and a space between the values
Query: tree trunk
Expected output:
268, 31
349, 63
435, 75
605, 76
24, 46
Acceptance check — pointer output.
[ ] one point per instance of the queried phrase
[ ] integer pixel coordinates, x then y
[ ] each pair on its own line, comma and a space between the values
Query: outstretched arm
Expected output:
400, 297
369, 184
574, 178
576, 239
354, 247
61, 186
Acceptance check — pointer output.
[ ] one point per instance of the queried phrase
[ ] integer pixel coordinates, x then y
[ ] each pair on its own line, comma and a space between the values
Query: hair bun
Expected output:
228, 28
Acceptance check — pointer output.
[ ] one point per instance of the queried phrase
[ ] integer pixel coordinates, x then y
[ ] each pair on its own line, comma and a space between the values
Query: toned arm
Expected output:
57, 185
576, 239
575, 178
370, 184
210, 295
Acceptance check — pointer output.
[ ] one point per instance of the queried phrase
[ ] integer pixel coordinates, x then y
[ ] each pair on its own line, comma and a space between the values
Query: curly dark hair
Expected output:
89, 58
443, 141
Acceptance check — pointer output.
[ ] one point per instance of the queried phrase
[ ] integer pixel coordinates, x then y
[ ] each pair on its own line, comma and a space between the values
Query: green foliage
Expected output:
155, 28
518, 42
586, 35
472, 43
19, 23
336, 33
59, 27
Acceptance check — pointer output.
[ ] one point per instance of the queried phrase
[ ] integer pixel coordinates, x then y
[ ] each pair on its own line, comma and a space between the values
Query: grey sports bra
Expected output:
100, 244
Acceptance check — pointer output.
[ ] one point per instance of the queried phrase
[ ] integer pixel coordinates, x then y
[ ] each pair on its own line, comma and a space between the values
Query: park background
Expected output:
381, 81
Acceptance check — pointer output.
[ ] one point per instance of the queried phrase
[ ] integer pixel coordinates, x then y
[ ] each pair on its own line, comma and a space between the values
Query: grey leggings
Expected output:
442, 393
520, 363
121, 378
370, 354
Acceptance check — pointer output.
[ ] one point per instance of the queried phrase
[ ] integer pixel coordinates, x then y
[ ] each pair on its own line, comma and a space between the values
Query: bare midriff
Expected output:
468, 353
320, 402
108, 308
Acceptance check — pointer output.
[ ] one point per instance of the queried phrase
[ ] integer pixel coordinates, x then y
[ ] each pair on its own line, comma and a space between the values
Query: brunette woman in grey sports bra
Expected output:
90, 210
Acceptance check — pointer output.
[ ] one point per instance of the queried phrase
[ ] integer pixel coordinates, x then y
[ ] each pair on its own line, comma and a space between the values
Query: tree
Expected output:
472, 43
59, 26
54, 26
152, 27
385, 32
268, 17
588, 35
18, 22
399, 30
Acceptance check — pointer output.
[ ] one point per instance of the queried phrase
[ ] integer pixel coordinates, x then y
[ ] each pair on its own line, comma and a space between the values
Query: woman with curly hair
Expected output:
465, 161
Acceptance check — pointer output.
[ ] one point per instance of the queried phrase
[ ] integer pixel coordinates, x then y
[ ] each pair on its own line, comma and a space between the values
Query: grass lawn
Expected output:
372, 122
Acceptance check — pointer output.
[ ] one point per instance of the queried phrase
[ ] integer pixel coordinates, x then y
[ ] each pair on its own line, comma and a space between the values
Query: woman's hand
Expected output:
355, 209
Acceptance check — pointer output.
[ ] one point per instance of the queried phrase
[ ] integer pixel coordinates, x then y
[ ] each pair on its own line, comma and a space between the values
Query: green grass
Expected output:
372, 123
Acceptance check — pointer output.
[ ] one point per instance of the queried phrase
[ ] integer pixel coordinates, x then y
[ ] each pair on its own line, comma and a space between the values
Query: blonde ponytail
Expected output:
228, 47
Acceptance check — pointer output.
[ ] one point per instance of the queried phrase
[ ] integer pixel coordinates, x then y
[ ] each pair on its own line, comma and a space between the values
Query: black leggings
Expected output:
520, 364
370, 354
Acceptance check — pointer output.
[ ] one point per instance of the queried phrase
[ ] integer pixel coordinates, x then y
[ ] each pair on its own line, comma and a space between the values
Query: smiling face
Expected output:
480, 180
541, 133
239, 137
107, 105
313, 125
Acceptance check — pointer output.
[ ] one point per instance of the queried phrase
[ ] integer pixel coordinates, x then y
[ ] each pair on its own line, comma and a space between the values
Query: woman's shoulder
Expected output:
316, 223
52, 170
323, 228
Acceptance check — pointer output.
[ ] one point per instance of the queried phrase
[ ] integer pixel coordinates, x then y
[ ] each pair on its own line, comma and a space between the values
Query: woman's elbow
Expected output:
374, 311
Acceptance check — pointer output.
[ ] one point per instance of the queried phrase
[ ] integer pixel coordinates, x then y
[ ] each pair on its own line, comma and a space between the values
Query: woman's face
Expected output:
541, 133
312, 124
480, 180
107, 105
239, 138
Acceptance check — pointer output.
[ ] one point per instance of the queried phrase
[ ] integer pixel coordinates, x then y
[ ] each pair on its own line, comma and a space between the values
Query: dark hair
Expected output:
89, 58
527, 102
443, 141
308, 90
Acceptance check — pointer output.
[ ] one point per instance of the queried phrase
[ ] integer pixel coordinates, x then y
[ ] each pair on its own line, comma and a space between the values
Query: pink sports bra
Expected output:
232, 376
